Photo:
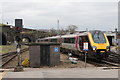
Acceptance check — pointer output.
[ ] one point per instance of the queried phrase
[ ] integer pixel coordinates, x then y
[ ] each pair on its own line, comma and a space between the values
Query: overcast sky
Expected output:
44, 14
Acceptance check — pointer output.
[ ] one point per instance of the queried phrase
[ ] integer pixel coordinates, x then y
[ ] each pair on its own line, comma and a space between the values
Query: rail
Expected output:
7, 57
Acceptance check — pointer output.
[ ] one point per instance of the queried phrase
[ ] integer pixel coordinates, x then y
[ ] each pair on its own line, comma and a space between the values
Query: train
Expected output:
96, 40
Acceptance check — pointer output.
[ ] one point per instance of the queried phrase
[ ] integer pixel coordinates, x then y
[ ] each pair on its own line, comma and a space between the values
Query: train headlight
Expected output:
108, 47
94, 47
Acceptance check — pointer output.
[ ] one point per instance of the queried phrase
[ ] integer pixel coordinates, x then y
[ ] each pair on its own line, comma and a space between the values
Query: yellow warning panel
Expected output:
25, 63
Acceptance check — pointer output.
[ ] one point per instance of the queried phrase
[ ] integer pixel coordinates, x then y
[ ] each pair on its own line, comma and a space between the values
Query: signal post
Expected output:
85, 48
18, 30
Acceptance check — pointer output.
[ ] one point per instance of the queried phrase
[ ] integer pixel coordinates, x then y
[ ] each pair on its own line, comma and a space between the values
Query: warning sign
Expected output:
85, 46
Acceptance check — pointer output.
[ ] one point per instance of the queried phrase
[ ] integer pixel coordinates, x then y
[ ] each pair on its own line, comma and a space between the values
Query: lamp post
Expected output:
116, 39
58, 27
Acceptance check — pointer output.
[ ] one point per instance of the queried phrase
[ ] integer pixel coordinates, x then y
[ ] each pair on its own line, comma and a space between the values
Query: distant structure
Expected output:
31, 35
118, 35
7, 34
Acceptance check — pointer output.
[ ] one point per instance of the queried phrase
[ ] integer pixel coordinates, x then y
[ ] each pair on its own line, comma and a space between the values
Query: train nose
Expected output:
102, 53
101, 46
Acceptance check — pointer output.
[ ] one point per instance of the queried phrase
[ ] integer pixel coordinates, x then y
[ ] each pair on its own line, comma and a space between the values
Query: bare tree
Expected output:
72, 28
62, 31
53, 32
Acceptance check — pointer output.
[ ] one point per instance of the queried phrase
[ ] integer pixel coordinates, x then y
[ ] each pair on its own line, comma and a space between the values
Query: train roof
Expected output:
65, 36
69, 35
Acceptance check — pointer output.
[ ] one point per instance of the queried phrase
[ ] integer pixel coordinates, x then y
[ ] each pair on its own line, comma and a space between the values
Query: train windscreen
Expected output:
98, 37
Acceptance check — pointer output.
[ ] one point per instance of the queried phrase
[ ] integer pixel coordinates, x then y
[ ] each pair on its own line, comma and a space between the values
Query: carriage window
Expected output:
66, 40
69, 40
72, 40
53, 40
46, 39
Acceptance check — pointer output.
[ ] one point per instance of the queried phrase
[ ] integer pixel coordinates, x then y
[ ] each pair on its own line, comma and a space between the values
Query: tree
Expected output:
72, 28
53, 32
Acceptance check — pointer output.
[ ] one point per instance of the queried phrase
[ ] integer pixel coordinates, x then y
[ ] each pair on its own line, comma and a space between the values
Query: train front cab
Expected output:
99, 45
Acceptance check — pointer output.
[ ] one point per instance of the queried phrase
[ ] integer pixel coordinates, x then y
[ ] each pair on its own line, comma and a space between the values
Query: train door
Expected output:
83, 39
80, 42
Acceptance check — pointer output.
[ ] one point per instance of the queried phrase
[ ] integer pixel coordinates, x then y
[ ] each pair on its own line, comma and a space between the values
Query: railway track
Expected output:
111, 63
7, 57
102, 63
113, 60
105, 63
114, 57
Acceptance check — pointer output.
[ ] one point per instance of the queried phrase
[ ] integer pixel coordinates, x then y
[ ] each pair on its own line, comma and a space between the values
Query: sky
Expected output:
91, 14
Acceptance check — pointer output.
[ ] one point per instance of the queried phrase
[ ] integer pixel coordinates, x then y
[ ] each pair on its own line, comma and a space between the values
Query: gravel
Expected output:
64, 62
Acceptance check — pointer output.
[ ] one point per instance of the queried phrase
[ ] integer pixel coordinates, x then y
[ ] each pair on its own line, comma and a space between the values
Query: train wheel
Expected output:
105, 57
99, 58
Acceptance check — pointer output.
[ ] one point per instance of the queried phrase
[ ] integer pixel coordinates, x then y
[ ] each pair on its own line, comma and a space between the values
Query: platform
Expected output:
63, 73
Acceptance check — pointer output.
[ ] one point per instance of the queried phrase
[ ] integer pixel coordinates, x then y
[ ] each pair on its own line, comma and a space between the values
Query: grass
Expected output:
9, 48
2, 24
